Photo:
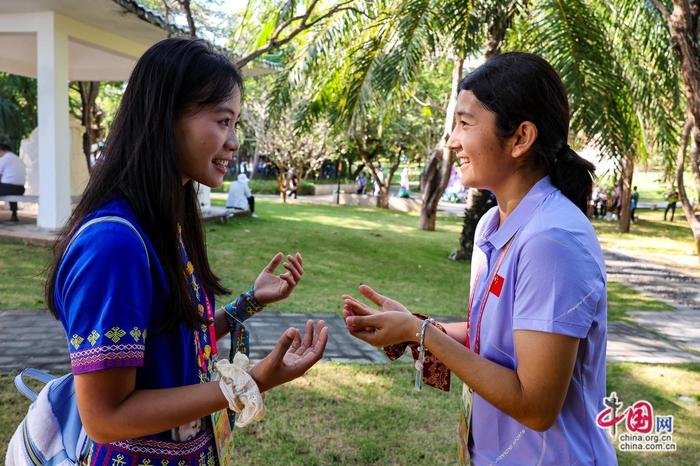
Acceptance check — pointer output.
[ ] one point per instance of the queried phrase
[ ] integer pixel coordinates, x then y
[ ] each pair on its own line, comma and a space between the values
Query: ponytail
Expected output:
519, 87
573, 175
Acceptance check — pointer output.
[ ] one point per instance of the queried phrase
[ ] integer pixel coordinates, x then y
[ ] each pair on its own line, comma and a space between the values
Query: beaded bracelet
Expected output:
421, 353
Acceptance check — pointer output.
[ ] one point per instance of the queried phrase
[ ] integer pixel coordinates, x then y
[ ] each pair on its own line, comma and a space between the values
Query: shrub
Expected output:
268, 187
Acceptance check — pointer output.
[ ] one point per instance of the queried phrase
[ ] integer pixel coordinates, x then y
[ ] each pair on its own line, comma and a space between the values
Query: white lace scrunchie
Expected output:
240, 390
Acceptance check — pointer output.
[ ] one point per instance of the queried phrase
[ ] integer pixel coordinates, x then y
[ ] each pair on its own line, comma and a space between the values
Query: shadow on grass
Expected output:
622, 298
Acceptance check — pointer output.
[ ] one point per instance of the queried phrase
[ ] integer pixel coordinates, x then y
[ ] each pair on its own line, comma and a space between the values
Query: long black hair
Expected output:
520, 87
140, 164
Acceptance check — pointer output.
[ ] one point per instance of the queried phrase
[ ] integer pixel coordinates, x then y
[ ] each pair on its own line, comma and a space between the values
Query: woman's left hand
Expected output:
269, 288
292, 356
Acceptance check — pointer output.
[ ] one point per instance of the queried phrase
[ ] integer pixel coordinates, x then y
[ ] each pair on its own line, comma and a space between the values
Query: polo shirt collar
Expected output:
522, 213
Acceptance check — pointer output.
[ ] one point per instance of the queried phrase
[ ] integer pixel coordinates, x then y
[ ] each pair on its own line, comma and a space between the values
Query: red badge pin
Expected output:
497, 285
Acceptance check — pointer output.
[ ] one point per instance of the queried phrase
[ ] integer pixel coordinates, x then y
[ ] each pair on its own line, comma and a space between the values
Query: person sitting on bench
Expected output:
12, 176
240, 196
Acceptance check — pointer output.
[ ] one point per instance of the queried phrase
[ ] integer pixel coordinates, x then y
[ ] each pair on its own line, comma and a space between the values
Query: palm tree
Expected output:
382, 52
620, 104
356, 62
654, 44
681, 19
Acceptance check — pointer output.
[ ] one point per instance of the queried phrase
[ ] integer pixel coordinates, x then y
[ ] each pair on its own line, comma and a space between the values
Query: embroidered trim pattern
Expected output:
146, 452
105, 357
93, 337
76, 341
164, 448
136, 334
115, 334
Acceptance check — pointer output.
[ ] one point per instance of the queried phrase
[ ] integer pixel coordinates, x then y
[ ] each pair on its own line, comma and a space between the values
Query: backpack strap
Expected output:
61, 395
34, 374
114, 219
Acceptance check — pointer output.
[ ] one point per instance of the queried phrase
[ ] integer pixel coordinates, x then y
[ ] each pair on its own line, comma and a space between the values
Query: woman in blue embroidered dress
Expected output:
134, 290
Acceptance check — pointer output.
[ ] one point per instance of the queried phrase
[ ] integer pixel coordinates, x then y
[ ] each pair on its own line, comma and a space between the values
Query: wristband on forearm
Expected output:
237, 312
244, 307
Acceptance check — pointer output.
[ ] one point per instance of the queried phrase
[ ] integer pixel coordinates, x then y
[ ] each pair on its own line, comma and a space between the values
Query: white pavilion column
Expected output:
54, 135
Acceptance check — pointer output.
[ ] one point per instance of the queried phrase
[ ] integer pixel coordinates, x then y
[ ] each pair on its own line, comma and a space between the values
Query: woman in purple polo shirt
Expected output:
532, 352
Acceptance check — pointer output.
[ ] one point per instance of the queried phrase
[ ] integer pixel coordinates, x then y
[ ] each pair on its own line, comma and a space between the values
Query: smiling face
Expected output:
206, 139
485, 160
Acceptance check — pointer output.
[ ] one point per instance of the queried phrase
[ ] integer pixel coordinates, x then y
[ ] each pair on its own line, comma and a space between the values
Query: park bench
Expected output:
222, 214
29, 199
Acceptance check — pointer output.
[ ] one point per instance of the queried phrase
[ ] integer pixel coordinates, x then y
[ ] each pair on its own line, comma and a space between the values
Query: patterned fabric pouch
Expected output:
435, 373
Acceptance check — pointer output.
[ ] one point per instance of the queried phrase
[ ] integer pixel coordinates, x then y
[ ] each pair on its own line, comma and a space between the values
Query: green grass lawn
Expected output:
357, 414
22, 266
342, 247
338, 413
662, 386
652, 188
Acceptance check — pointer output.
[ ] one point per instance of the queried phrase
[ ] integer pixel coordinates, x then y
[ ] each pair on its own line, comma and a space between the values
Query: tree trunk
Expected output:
188, 13
695, 163
682, 194
88, 96
498, 27
256, 157
383, 194
683, 26
385, 186
437, 171
626, 194
479, 201
383, 197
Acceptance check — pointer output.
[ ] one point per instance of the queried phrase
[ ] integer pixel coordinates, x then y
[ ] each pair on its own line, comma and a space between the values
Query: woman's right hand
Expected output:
384, 303
292, 356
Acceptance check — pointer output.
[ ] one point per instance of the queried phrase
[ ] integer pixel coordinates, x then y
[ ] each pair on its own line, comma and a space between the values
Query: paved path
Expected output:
661, 337
35, 339
680, 290
628, 342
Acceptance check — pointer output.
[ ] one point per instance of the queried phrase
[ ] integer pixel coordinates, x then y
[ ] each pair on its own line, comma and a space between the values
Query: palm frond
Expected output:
571, 36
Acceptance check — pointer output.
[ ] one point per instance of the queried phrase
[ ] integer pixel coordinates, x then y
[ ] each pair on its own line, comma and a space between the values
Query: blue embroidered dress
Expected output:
111, 299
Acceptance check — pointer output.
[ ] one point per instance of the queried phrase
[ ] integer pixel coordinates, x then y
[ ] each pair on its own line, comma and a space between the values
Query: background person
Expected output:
12, 176
361, 183
672, 199
634, 200
404, 184
240, 196
292, 183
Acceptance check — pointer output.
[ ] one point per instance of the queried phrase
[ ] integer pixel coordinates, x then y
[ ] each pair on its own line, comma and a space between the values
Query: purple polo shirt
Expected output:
554, 281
